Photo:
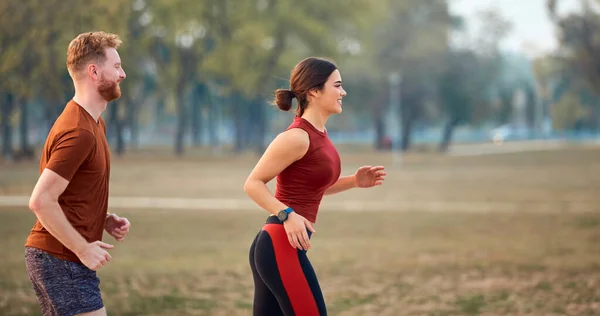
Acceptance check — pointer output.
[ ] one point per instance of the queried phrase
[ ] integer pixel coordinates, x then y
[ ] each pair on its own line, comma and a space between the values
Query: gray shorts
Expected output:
62, 287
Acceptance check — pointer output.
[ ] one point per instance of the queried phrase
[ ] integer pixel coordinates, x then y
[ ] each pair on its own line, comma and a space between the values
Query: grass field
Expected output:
514, 234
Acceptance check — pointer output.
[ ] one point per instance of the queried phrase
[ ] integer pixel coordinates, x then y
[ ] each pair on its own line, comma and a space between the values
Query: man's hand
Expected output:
93, 255
116, 226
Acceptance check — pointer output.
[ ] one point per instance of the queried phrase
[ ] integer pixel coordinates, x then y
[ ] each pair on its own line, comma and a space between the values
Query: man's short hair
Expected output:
87, 47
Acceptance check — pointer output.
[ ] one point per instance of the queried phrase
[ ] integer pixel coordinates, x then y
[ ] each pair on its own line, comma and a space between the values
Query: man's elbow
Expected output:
37, 203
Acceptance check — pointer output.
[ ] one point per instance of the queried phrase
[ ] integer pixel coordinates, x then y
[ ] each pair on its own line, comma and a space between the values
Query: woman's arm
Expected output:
342, 184
365, 177
285, 149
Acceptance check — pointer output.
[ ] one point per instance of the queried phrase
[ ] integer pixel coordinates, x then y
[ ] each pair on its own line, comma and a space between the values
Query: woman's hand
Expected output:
367, 176
295, 227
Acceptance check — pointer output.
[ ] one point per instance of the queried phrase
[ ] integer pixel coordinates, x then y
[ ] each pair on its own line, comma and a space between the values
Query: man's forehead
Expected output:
112, 55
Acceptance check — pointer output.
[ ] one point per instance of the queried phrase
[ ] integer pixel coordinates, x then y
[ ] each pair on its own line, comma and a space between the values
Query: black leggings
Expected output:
284, 280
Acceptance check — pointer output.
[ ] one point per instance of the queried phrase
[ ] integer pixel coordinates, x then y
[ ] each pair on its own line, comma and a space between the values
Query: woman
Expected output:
307, 166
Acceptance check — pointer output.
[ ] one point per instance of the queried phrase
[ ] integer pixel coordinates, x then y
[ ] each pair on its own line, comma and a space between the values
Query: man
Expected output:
70, 199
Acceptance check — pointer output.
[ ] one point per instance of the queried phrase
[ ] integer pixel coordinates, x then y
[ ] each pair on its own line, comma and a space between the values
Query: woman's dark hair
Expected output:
310, 73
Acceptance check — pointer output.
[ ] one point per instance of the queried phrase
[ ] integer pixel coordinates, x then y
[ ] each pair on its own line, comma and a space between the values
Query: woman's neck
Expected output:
316, 118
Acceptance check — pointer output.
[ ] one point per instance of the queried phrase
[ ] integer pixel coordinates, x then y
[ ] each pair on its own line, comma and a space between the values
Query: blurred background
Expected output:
417, 72
485, 113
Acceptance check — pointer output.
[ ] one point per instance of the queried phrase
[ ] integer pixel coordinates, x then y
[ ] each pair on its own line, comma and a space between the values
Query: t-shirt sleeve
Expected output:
70, 151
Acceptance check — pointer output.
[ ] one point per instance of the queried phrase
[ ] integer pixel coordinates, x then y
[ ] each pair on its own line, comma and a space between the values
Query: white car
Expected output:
506, 132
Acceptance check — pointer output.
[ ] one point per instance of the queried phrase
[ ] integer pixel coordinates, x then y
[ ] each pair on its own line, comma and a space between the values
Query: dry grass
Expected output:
566, 180
182, 262
542, 257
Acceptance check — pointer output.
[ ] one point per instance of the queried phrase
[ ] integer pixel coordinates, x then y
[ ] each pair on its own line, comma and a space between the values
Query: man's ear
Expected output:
93, 71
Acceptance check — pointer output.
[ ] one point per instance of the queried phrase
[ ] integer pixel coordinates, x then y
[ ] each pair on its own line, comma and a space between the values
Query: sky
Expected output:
533, 33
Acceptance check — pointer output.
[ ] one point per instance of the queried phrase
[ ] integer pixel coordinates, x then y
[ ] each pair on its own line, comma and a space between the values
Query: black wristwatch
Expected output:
283, 214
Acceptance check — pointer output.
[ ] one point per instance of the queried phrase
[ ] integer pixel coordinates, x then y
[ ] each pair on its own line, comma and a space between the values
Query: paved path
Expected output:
212, 204
509, 147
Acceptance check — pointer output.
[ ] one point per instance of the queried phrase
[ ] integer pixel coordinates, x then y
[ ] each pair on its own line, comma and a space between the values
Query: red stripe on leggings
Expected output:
290, 270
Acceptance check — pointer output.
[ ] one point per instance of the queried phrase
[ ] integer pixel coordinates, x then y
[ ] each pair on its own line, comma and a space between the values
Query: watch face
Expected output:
282, 215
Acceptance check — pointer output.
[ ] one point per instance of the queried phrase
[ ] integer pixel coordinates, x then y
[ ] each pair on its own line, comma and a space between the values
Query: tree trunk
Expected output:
159, 112
134, 127
48, 116
213, 118
240, 122
380, 133
447, 135
187, 64
197, 99
7, 108
117, 128
247, 122
406, 128
379, 122
181, 119
275, 55
26, 152
406, 121
259, 125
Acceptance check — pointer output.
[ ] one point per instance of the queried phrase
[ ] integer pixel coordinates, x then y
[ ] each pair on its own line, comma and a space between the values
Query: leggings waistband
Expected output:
272, 219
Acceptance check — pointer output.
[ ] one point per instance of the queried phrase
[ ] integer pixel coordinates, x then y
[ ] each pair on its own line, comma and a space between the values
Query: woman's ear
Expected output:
313, 93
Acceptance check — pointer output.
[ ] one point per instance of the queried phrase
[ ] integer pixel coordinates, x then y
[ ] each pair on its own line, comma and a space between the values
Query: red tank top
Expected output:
301, 185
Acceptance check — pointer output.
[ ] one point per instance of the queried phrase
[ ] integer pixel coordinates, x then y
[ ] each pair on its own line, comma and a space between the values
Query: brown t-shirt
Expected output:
77, 150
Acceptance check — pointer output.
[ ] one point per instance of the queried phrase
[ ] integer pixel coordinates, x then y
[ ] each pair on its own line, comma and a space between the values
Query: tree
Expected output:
260, 41
178, 47
460, 91
35, 38
470, 75
547, 71
580, 45
409, 38
567, 112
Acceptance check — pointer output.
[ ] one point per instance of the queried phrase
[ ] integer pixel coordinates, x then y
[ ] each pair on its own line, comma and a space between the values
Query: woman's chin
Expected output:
337, 110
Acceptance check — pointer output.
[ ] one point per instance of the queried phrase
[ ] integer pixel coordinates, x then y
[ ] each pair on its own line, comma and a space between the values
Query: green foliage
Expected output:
459, 87
470, 77
244, 50
580, 41
567, 112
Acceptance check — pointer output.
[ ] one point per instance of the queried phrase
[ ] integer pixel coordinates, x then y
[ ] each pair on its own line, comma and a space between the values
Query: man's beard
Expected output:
109, 90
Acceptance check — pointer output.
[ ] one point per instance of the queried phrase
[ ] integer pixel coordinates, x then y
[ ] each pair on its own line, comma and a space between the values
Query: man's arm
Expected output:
68, 154
44, 203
